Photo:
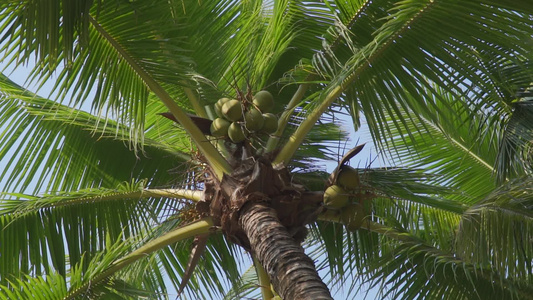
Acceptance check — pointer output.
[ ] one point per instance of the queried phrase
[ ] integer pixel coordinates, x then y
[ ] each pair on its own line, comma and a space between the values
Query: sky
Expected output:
362, 159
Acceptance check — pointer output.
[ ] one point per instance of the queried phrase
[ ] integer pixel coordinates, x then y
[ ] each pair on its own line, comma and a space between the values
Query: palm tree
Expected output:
105, 198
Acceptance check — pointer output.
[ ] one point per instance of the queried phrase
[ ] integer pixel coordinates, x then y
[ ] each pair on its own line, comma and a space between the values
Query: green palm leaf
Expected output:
53, 286
418, 41
504, 246
88, 216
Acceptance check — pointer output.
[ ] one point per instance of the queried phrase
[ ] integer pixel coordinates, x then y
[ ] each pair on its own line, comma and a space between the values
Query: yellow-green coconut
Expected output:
218, 106
348, 178
235, 133
253, 119
219, 127
271, 123
264, 101
335, 197
232, 110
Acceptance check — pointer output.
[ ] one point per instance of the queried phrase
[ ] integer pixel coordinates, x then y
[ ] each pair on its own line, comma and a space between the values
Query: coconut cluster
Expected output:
238, 119
337, 195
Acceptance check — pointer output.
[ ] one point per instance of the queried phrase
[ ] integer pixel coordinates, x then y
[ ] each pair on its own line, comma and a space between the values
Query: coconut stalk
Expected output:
285, 116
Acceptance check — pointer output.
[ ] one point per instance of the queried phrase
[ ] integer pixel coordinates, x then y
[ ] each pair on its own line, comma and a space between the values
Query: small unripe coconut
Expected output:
271, 123
218, 106
254, 120
335, 197
264, 101
348, 178
352, 216
232, 110
235, 133
219, 127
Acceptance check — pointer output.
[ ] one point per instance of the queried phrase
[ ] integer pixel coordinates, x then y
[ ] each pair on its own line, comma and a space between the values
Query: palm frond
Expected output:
398, 198
134, 64
57, 286
343, 255
87, 216
405, 266
115, 263
497, 231
41, 141
118, 18
414, 270
412, 185
420, 248
514, 156
459, 146
400, 61
247, 288
221, 259
19, 205
53, 286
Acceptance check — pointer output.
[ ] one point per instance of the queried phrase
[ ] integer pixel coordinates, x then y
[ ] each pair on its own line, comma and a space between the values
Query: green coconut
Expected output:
264, 101
218, 106
219, 127
335, 197
232, 110
254, 120
348, 178
271, 123
235, 133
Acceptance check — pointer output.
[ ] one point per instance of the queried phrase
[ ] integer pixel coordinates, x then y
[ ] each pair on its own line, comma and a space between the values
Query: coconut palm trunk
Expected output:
292, 272
261, 209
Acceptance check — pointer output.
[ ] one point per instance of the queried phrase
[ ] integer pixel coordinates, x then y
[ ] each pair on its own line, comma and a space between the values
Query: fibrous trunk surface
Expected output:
292, 272
255, 180
259, 208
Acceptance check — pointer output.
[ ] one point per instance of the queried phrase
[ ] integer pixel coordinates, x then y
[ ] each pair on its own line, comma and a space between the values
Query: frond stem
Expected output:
264, 280
461, 146
215, 159
201, 227
195, 102
299, 94
30, 206
294, 142
285, 116
194, 195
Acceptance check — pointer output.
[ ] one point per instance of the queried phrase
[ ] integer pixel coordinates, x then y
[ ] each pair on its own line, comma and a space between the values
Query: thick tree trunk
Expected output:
291, 271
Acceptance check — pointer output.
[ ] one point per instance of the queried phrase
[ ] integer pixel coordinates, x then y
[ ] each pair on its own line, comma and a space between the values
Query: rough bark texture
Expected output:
259, 207
292, 272
255, 180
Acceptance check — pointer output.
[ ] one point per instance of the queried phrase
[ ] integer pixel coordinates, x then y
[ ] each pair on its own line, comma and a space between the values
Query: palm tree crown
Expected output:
102, 196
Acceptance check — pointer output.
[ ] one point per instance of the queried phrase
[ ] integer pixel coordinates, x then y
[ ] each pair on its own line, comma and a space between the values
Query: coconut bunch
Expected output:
340, 196
241, 119
343, 195
337, 195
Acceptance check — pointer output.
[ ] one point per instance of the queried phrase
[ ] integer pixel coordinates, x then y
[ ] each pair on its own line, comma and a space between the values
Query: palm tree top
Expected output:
99, 188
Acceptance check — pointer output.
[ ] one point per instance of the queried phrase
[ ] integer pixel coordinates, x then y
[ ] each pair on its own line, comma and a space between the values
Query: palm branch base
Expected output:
260, 208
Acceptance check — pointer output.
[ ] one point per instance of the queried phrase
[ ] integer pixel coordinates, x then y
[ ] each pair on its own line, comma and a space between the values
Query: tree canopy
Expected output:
102, 195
